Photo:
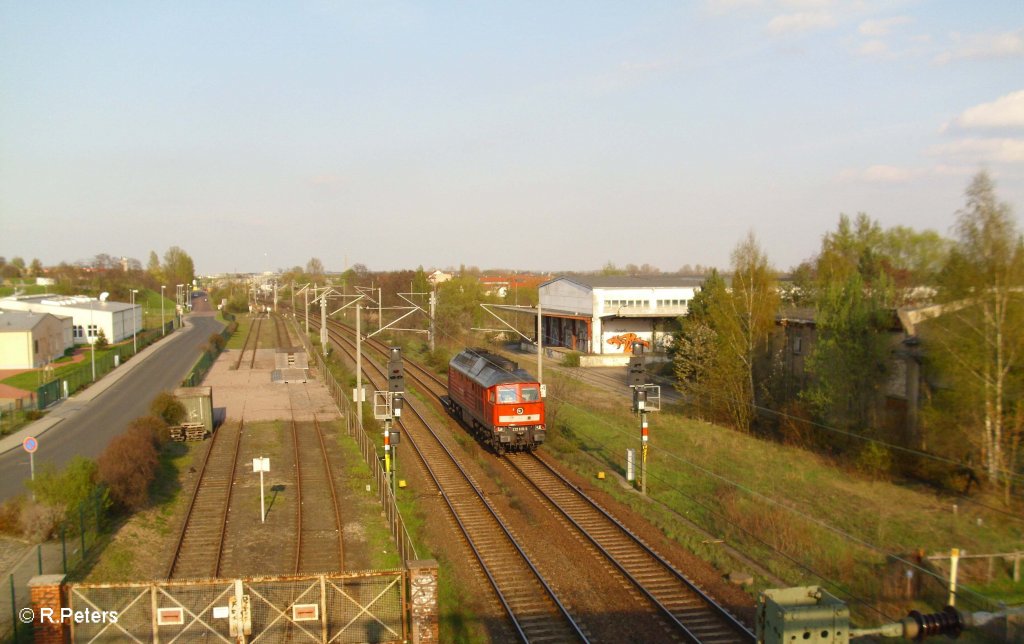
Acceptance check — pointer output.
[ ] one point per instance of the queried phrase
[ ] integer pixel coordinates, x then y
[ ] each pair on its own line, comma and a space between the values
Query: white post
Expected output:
135, 344
261, 465
323, 322
306, 294
263, 507
92, 342
380, 310
163, 325
954, 559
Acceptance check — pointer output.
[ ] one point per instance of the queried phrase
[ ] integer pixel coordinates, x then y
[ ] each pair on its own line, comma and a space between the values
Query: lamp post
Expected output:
163, 327
92, 341
135, 325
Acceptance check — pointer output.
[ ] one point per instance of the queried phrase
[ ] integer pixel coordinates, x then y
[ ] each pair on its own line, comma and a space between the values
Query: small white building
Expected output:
603, 314
88, 314
31, 340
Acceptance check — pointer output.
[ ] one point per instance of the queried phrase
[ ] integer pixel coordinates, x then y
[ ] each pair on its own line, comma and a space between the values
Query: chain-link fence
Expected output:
205, 362
343, 607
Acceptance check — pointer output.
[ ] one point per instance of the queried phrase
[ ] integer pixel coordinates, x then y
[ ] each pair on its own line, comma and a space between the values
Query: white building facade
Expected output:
89, 315
601, 314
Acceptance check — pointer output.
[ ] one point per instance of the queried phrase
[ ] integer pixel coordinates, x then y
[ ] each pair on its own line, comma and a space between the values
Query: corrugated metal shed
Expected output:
198, 402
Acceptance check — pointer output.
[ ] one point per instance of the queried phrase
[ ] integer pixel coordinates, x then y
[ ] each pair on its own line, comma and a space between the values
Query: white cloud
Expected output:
890, 174
983, 46
881, 27
873, 48
790, 23
1004, 112
1004, 150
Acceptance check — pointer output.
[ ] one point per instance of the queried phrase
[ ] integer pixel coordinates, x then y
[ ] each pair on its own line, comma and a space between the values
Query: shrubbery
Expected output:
169, 408
129, 463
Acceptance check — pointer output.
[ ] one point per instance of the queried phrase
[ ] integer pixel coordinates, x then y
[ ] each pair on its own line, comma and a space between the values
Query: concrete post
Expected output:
423, 601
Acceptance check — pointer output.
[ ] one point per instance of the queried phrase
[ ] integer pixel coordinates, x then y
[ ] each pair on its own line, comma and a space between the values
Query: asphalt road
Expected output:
86, 430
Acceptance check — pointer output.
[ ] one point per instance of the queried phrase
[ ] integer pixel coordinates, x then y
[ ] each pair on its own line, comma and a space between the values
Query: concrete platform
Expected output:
252, 395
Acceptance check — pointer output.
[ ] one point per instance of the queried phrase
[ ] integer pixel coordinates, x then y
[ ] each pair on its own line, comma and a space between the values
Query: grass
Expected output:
805, 520
31, 380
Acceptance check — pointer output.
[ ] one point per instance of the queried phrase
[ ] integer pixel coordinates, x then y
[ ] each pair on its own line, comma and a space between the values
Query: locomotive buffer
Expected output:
387, 406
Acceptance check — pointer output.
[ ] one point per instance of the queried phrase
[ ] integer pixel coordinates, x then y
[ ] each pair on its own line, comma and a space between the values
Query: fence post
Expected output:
954, 559
14, 610
63, 550
39, 557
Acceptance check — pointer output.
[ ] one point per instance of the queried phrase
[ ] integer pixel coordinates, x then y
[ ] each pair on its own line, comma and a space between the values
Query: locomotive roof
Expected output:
489, 369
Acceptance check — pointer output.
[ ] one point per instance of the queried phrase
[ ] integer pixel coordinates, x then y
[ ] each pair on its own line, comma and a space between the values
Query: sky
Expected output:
524, 135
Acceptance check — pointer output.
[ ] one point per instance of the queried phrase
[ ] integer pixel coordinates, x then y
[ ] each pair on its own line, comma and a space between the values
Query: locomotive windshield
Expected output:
530, 393
507, 395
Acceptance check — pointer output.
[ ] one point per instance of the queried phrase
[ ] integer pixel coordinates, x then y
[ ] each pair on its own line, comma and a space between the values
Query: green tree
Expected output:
36, 267
694, 363
153, 267
178, 267
68, 488
979, 336
853, 298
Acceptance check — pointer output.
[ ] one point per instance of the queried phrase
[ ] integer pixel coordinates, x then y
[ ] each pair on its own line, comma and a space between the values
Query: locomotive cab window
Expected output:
507, 395
530, 394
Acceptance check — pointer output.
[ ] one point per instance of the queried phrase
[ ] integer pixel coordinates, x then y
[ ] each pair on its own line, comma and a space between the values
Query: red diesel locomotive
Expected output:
497, 400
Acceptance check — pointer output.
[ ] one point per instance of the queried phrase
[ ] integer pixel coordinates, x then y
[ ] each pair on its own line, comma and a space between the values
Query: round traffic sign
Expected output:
30, 444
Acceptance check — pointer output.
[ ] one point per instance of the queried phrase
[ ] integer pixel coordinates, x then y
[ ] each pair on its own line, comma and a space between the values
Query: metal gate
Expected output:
356, 607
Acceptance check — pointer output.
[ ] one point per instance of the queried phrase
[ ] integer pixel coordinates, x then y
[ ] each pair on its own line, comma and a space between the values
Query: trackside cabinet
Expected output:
198, 402
802, 615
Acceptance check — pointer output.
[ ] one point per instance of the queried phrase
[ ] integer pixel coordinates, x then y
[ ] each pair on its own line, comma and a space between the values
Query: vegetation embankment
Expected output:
89, 501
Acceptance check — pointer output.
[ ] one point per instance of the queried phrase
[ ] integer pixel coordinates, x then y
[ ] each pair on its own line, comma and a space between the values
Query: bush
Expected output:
101, 340
154, 428
67, 489
169, 408
128, 466
216, 343
39, 521
571, 359
10, 515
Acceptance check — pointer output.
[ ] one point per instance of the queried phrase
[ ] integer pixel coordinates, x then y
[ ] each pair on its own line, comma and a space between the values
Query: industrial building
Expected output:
604, 314
31, 340
89, 315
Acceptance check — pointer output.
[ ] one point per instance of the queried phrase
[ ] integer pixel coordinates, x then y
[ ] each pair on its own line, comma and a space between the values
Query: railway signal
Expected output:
646, 398
387, 406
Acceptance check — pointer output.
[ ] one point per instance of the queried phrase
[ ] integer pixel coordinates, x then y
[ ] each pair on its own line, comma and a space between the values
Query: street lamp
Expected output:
92, 341
135, 325
163, 327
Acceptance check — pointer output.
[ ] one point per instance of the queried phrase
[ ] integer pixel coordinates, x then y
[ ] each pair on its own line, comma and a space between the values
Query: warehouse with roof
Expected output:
605, 314
89, 315
31, 340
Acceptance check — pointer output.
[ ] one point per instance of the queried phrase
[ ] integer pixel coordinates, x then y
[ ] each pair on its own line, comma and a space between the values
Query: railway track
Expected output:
254, 335
683, 605
319, 539
532, 605
200, 543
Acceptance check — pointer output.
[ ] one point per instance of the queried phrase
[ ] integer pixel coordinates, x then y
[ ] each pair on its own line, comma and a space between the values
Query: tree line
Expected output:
965, 299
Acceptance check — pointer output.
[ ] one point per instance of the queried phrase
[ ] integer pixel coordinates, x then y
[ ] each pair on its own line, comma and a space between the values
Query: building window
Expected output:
78, 331
798, 344
93, 330
35, 346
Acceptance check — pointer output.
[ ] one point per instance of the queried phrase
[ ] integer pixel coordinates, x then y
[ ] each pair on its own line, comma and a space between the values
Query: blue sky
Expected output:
527, 135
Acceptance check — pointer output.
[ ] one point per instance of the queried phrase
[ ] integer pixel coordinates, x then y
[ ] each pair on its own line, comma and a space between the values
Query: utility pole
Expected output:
323, 321
540, 345
275, 296
306, 295
433, 306
380, 309
359, 368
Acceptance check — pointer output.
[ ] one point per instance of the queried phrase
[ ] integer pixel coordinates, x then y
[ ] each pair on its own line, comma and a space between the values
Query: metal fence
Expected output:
78, 536
368, 448
82, 375
341, 607
205, 362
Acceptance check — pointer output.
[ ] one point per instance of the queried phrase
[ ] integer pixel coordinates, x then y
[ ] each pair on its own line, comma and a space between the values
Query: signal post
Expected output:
646, 398
387, 406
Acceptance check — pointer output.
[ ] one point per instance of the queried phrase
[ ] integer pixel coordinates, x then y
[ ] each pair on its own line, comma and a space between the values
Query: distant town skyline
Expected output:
522, 136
